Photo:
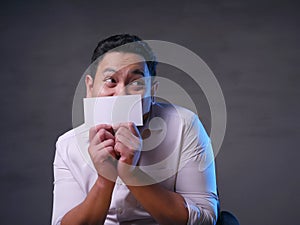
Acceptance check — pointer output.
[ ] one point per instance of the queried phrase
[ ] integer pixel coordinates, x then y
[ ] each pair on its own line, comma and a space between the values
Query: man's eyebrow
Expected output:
139, 72
109, 70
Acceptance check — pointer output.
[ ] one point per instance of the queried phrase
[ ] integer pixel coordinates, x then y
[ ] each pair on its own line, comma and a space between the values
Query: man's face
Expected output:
120, 73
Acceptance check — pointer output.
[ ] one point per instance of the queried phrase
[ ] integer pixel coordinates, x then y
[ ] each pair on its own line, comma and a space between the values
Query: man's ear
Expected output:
154, 88
89, 86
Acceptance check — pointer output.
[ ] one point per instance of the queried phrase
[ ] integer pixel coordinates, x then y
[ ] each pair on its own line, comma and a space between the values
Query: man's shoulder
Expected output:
73, 134
176, 111
72, 146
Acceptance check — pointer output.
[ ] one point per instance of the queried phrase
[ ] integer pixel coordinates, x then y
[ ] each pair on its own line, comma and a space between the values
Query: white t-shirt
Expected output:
177, 154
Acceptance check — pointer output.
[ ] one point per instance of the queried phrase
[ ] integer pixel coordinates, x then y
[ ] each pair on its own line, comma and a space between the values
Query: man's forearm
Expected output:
165, 206
93, 210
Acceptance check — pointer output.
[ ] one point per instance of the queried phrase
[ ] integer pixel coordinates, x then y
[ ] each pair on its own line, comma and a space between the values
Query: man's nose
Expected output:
121, 89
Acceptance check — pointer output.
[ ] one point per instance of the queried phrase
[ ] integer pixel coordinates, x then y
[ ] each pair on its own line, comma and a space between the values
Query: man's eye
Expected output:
109, 81
137, 83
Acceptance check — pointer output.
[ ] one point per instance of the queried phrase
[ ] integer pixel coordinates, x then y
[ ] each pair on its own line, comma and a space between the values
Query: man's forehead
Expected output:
119, 60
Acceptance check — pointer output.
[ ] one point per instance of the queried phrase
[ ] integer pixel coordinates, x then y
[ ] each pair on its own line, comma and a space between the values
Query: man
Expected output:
173, 182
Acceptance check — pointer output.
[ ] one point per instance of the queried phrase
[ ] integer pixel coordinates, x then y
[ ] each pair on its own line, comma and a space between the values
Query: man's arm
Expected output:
165, 206
194, 200
196, 178
92, 208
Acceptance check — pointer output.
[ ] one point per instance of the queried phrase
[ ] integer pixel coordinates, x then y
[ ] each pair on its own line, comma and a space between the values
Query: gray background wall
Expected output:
251, 46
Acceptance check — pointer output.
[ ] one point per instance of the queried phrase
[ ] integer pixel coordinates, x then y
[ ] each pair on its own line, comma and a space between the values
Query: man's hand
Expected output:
101, 150
128, 144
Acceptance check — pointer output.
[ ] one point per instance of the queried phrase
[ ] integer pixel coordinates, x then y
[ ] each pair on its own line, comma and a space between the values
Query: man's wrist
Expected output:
104, 183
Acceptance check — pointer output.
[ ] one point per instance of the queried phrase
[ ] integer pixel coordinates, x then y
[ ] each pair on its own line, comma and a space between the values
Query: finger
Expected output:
133, 129
93, 130
107, 152
107, 127
129, 157
112, 152
101, 156
101, 135
101, 150
129, 125
103, 126
95, 148
109, 135
129, 140
125, 130
125, 136
116, 126
98, 138
104, 144
126, 154
92, 133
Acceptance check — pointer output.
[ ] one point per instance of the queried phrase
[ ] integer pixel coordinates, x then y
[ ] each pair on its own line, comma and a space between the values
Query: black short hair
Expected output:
121, 43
